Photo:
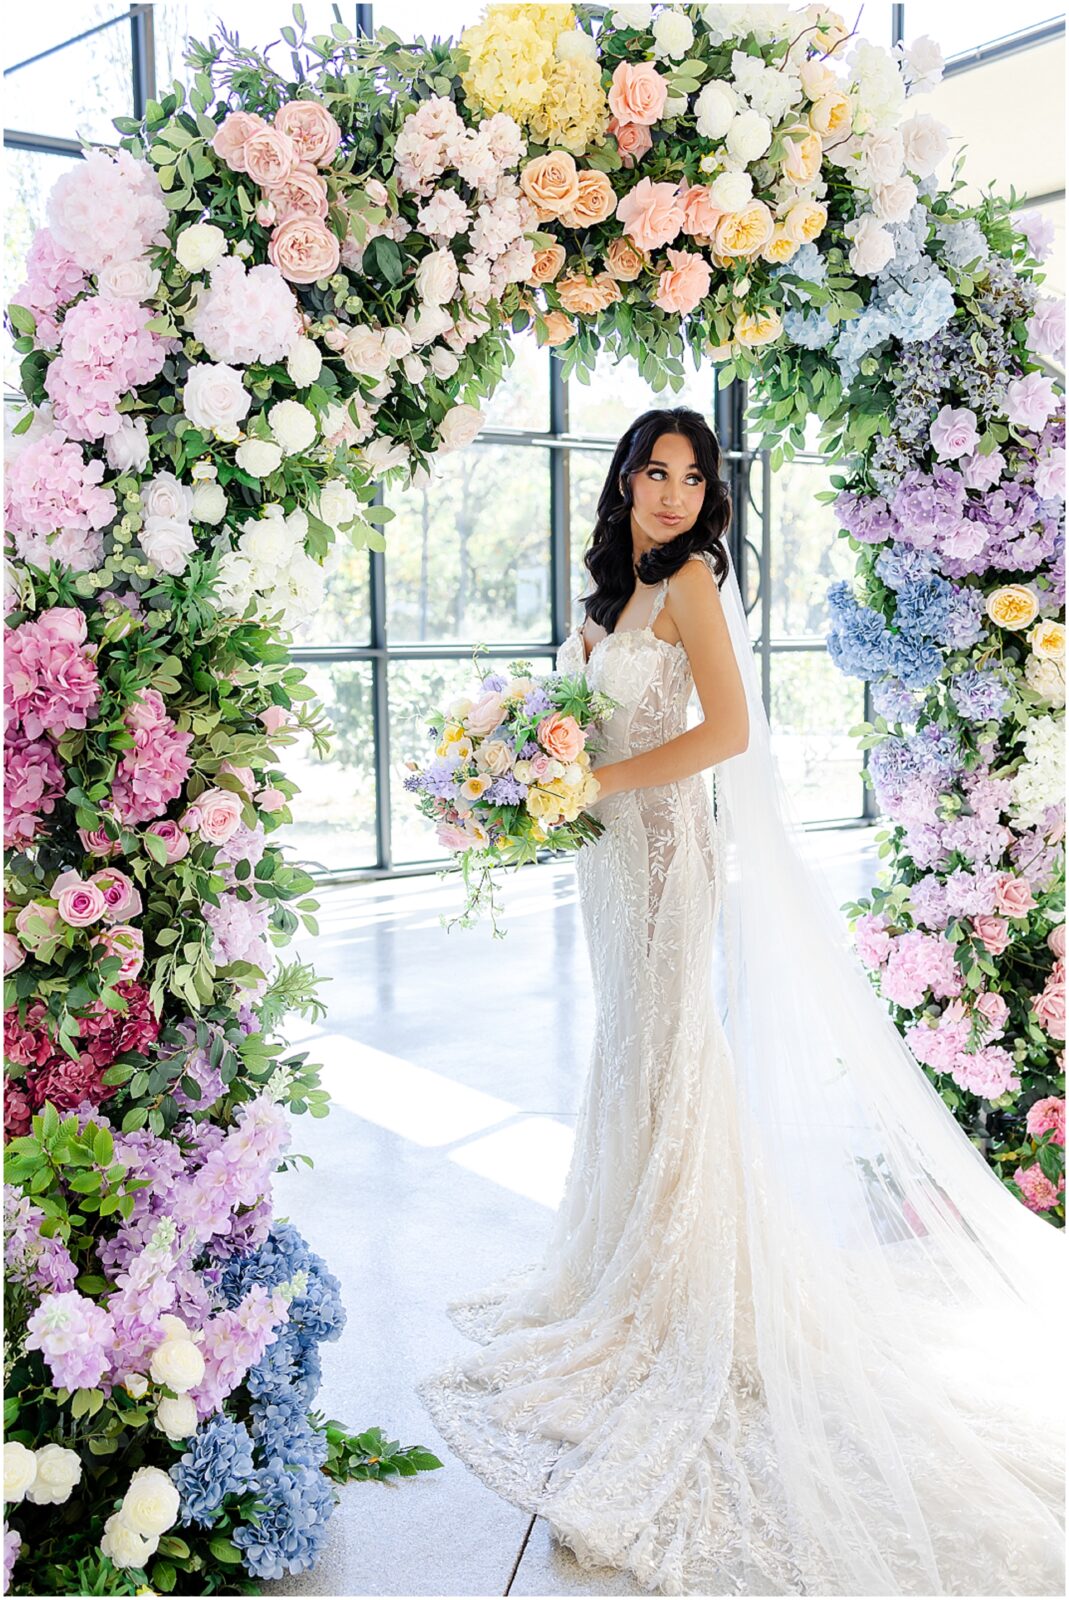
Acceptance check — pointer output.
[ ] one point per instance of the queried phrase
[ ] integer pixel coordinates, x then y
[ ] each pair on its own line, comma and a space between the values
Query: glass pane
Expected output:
521, 399
29, 178
415, 689
874, 21
76, 92
807, 553
254, 23
813, 705
428, 17
959, 28
334, 815
345, 616
586, 472
467, 557
616, 395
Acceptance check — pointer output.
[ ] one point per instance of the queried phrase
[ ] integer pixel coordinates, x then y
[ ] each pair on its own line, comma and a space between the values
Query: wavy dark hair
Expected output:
610, 558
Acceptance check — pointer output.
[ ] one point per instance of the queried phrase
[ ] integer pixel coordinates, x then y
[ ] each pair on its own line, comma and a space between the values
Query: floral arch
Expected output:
278, 292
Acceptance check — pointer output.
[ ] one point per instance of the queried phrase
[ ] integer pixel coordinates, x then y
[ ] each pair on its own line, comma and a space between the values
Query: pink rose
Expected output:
1049, 1007
633, 139
453, 837
48, 914
269, 156
993, 933
561, 736
276, 717
540, 765
304, 250
176, 841
1056, 940
637, 93
244, 775
1031, 400
302, 194
80, 904
993, 1008
700, 215
63, 623
953, 433
95, 842
271, 800
1013, 896
234, 133
982, 472
1046, 328
485, 714
266, 214
684, 284
651, 214
217, 815
313, 130
126, 943
122, 897
14, 954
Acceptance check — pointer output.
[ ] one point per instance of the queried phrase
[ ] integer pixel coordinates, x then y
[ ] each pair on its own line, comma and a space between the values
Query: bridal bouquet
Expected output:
511, 772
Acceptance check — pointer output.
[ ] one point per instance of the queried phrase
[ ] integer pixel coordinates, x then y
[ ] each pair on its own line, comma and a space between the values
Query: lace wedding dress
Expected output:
756, 1356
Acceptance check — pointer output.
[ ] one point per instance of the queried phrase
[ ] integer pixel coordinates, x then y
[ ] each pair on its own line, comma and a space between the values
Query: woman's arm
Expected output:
698, 613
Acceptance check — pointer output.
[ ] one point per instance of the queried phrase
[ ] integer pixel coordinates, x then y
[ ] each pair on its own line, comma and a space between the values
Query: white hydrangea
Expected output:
673, 34
877, 87
234, 584
1040, 780
767, 23
270, 540
1046, 678
922, 64
632, 16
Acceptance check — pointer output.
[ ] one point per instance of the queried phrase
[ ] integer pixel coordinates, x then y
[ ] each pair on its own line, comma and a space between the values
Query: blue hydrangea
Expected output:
979, 696
893, 701
859, 642
917, 662
287, 1533
812, 330
218, 1462
923, 609
963, 242
901, 564
282, 1431
967, 621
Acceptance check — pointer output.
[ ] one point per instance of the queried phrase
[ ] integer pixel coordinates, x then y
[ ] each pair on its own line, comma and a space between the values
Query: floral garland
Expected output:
278, 292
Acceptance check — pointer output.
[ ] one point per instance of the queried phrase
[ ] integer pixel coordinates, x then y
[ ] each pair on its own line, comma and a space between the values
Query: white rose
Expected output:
258, 457
817, 78
397, 342
673, 34
209, 501
150, 1504
414, 367
437, 277
427, 322
58, 1470
575, 45
925, 142
382, 453
200, 246
176, 1418
304, 362
215, 398
924, 63
337, 504
293, 425
267, 541
443, 363
177, 1363
632, 16
234, 583
1046, 677
459, 426
20, 1469
136, 1385
365, 352
128, 280
883, 155
675, 105
873, 246
123, 1546
893, 202
127, 449
164, 496
731, 191
168, 542
749, 136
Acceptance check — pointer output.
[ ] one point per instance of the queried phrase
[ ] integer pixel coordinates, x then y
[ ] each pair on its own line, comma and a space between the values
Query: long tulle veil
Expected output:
909, 1310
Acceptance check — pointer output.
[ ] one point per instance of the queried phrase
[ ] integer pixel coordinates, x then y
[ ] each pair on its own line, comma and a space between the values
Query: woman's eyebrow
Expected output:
653, 462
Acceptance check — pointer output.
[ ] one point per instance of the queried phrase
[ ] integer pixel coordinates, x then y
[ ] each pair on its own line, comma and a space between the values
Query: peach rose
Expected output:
233, 135
302, 194
312, 128
758, 327
551, 183
802, 154
622, 261
830, 116
993, 933
587, 296
597, 200
547, 263
637, 93
559, 328
684, 284
651, 214
780, 248
560, 736
805, 221
633, 139
700, 214
1013, 606
269, 156
304, 250
1013, 896
746, 232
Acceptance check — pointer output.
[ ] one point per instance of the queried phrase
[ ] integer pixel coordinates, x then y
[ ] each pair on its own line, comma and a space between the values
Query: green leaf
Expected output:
223, 1550
22, 320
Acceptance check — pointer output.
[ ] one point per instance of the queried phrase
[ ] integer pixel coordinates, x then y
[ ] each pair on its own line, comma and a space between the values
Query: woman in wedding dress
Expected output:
790, 1334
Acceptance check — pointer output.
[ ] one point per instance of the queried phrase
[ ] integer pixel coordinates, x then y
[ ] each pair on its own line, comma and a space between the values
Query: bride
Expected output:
790, 1334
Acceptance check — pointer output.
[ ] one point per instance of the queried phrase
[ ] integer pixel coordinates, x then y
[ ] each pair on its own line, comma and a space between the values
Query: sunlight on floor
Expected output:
530, 1157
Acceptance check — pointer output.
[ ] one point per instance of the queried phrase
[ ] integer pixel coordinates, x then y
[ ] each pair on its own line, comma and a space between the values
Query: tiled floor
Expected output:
455, 1063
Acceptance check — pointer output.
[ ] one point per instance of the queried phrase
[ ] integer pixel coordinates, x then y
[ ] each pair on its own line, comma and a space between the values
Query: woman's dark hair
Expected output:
610, 558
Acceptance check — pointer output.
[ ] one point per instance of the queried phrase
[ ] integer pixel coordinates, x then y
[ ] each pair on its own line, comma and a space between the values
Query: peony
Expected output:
954, 433
177, 1417
805, 221
684, 284
651, 214
753, 329
58, 1470
293, 426
637, 93
209, 501
178, 1364
304, 250
124, 1547
1031, 400
215, 399
200, 246
150, 1504
673, 34
715, 108
311, 128
749, 137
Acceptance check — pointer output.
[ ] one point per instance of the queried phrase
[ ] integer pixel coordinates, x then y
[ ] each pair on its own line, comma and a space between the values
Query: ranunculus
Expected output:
123, 1546
232, 136
637, 92
270, 156
684, 284
1031, 400
714, 108
651, 214
312, 129
209, 501
731, 191
200, 246
58, 1471
954, 433
150, 1504
873, 247
177, 1363
749, 137
293, 426
20, 1469
215, 398
304, 250
176, 1417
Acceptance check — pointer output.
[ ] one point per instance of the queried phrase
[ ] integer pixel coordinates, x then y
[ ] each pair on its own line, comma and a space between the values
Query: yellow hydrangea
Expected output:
573, 112
511, 56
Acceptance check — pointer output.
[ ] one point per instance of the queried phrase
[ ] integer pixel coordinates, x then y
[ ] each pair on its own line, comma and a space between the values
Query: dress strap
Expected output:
658, 601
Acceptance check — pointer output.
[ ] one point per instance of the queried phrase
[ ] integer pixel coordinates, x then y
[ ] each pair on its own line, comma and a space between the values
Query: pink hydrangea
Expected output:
108, 209
1038, 1192
50, 488
987, 1072
917, 963
940, 1047
153, 773
238, 926
33, 782
73, 1333
246, 315
106, 350
871, 939
1047, 1114
53, 280
50, 675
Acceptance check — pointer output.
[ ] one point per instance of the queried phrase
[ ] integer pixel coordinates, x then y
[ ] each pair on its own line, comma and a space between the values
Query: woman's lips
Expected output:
670, 520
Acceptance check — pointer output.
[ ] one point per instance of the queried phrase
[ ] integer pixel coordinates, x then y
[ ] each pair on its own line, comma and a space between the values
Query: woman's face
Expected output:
668, 491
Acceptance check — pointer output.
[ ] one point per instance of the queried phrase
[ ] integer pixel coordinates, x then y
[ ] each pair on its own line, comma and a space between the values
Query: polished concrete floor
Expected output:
454, 1062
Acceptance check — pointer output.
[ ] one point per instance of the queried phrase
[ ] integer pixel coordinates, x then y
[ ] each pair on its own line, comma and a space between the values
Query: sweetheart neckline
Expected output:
671, 644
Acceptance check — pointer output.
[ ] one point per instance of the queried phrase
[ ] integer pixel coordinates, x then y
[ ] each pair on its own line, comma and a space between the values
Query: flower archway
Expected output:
279, 292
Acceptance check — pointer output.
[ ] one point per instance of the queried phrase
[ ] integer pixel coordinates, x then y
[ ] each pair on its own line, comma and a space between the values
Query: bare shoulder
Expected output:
693, 589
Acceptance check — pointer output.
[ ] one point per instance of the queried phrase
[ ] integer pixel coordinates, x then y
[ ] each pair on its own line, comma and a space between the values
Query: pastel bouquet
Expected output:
511, 772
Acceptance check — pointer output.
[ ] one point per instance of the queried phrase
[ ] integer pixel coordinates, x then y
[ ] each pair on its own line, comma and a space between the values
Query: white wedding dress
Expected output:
729, 1372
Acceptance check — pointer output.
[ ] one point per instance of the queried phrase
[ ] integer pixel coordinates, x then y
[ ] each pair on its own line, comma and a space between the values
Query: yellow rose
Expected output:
759, 327
830, 117
806, 220
1048, 640
802, 154
474, 788
1013, 606
745, 232
781, 247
